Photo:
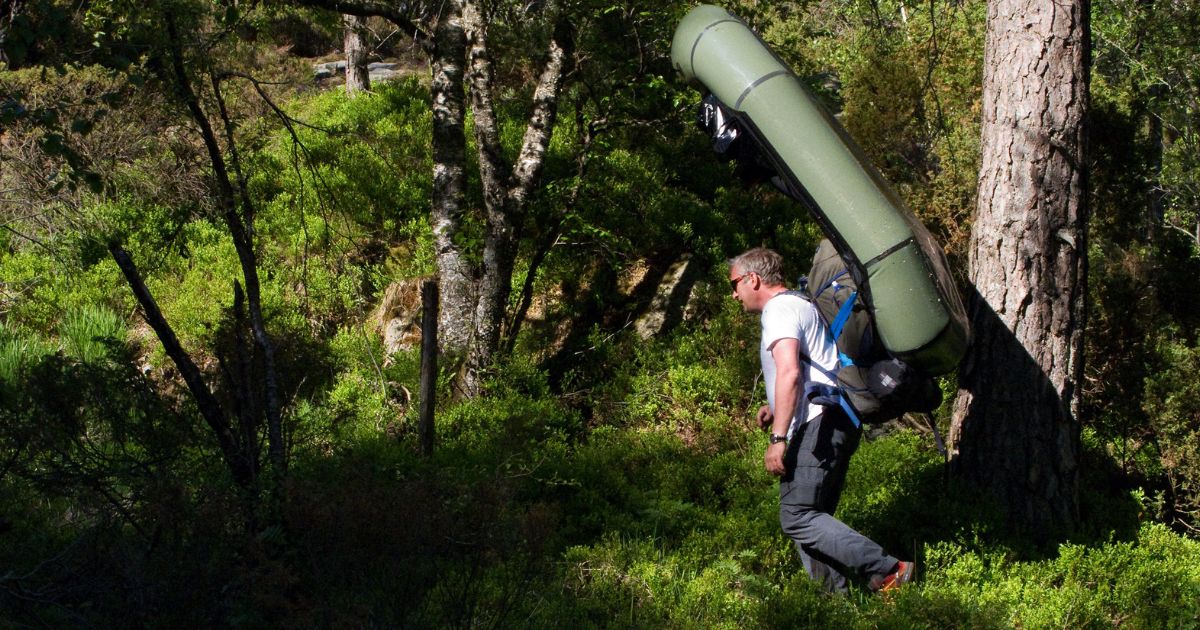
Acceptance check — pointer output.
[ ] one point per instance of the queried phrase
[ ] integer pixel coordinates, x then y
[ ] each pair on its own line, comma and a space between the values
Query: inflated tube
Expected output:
900, 269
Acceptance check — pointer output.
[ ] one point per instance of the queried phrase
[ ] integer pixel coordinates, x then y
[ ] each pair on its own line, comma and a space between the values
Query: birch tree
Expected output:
474, 297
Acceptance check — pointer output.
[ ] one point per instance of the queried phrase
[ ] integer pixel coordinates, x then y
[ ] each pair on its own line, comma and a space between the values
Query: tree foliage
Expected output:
1143, 316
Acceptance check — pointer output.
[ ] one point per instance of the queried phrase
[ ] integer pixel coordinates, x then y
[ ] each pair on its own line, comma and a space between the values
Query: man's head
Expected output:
756, 276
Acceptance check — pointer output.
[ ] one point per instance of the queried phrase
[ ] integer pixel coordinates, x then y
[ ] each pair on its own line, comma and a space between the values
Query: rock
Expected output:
666, 307
378, 71
400, 334
398, 316
329, 70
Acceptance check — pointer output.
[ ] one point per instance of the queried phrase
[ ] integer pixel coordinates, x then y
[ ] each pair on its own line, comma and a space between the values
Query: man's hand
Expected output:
765, 417
773, 459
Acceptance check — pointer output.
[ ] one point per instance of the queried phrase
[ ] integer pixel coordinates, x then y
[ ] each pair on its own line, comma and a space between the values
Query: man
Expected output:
810, 445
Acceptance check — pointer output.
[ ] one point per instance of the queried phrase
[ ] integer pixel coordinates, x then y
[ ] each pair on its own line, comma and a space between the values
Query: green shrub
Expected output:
511, 429
1153, 582
641, 583
355, 404
46, 287
362, 168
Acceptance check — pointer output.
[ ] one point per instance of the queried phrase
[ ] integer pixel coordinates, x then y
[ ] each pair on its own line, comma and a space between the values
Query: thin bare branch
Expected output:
410, 17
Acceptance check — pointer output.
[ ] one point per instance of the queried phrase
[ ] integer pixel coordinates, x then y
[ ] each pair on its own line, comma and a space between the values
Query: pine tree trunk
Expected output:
354, 45
1015, 431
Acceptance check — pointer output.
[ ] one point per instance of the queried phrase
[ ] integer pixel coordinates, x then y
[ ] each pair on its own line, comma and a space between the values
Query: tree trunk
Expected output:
1015, 430
456, 278
241, 229
475, 285
506, 189
240, 458
8, 16
1157, 203
355, 47
429, 370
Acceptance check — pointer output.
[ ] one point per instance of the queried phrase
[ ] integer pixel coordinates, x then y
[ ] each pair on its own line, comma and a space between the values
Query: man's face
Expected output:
742, 283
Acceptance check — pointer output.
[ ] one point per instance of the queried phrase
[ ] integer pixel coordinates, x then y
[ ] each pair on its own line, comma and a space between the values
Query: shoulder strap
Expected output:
831, 282
828, 395
820, 393
843, 316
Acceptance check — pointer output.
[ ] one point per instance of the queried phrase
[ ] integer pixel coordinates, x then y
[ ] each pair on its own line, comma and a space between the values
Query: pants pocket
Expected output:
835, 439
802, 486
801, 450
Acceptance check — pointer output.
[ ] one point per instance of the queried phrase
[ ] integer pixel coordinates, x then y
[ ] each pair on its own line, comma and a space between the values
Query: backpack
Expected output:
872, 385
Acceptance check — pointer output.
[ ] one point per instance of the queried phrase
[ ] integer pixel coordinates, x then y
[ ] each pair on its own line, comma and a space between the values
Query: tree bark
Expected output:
474, 285
241, 229
1157, 203
354, 45
506, 190
443, 37
456, 277
1015, 430
8, 16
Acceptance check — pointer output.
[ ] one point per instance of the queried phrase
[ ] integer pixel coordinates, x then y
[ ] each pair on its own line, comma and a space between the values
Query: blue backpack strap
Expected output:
839, 323
831, 282
829, 395
843, 316
821, 393
849, 409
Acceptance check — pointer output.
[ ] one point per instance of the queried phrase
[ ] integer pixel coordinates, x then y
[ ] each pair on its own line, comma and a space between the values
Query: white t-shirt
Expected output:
789, 316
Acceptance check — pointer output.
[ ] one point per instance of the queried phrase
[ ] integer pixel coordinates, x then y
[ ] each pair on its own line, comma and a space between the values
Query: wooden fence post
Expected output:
429, 370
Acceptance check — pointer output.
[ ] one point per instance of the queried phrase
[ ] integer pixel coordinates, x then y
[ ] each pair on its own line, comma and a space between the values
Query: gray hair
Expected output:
766, 263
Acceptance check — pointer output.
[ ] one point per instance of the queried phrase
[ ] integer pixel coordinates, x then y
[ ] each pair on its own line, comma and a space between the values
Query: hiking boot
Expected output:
902, 575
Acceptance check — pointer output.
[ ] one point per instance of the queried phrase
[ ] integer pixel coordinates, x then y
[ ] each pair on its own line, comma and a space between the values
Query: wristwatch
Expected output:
775, 439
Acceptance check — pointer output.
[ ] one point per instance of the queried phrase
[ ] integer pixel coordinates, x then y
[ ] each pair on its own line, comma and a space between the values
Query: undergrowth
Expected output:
624, 490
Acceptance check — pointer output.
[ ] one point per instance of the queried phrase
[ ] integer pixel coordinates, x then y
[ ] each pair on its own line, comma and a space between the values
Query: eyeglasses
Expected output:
734, 282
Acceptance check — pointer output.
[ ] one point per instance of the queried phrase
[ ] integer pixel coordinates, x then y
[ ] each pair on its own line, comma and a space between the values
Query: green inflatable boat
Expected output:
900, 269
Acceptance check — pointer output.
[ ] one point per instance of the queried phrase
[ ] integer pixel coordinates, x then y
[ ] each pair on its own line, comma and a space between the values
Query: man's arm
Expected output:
786, 353
764, 417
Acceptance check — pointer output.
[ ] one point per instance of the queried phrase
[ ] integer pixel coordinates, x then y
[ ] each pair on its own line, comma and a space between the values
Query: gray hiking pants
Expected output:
817, 458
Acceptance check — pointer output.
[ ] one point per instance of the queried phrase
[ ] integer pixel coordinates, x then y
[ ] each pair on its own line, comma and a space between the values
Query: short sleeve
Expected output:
779, 321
